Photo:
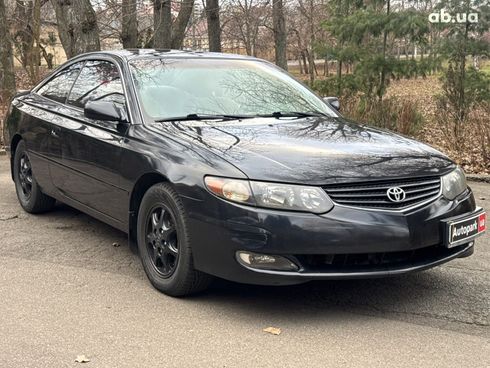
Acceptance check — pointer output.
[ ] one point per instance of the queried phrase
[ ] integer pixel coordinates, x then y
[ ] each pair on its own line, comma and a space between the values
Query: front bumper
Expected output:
344, 243
434, 258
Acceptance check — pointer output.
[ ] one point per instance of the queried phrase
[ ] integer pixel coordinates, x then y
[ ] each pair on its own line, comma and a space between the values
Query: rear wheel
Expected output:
30, 196
164, 244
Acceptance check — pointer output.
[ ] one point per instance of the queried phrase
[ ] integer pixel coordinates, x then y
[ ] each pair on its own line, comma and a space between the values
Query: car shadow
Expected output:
431, 298
371, 295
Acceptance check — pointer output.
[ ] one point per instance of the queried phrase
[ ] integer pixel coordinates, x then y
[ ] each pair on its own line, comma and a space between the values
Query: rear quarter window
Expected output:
59, 86
98, 81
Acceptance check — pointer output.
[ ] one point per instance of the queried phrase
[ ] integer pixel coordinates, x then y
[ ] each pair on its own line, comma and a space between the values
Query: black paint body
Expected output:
103, 169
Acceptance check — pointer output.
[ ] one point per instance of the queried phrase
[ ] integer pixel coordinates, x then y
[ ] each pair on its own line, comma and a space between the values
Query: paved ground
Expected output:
65, 290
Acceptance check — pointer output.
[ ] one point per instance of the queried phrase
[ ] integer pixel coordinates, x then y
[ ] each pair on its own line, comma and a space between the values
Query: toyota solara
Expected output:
224, 165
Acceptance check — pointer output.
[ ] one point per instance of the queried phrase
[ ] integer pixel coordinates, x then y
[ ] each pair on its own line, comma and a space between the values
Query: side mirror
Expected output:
333, 101
104, 110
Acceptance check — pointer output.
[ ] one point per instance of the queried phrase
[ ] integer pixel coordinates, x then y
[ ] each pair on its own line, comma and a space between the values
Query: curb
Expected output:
478, 178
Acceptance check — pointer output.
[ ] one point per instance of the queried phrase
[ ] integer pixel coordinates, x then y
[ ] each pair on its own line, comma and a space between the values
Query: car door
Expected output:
89, 171
41, 111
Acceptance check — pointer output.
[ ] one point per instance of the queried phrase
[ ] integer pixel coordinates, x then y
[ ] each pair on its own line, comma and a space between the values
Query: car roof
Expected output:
130, 54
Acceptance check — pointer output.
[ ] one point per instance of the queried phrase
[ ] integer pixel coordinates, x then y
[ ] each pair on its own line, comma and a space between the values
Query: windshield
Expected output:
180, 87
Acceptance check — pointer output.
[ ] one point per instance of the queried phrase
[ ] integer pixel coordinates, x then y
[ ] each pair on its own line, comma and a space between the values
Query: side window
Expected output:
98, 81
59, 86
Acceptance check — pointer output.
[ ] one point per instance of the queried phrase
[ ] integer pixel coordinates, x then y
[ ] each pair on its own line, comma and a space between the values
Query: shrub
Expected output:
480, 116
459, 99
396, 114
344, 88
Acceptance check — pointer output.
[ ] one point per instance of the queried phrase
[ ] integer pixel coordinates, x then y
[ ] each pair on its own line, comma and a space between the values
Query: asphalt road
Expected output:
65, 290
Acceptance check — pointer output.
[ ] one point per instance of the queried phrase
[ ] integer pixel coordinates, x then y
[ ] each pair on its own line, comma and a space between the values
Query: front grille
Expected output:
374, 194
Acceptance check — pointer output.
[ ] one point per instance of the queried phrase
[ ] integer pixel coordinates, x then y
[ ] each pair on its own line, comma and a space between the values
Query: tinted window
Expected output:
98, 80
178, 87
59, 86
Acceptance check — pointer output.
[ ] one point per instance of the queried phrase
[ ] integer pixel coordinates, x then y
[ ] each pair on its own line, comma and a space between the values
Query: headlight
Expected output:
454, 183
271, 195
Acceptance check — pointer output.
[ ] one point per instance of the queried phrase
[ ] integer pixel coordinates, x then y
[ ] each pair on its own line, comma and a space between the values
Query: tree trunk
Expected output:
382, 77
339, 77
303, 56
129, 34
214, 28
6, 57
23, 37
27, 37
248, 47
180, 24
77, 26
36, 35
311, 58
280, 36
300, 64
463, 54
48, 57
311, 66
162, 22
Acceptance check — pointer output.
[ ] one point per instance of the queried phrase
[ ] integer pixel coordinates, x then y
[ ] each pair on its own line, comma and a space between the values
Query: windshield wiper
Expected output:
293, 114
204, 117
277, 114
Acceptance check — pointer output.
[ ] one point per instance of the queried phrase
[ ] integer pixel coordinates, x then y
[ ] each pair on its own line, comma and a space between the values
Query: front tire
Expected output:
164, 243
30, 196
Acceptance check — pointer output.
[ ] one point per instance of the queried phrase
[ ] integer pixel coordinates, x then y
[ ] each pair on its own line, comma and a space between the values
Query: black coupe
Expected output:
225, 165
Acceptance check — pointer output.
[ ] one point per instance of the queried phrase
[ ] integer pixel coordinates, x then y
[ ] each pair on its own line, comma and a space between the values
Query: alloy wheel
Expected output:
162, 241
25, 175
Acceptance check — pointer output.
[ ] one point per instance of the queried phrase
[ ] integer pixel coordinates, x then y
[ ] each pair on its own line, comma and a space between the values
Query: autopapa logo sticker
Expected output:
443, 16
482, 226
464, 230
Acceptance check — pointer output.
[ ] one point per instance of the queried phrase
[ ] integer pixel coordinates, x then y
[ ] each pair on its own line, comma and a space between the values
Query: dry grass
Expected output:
420, 91
472, 152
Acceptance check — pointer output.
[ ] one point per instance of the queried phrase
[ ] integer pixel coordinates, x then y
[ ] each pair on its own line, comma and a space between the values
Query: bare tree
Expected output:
309, 31
280, 36
7, 76
307, 9
22, 25
36, 35
245, 19
180, 23
129, 34
214, 27
170, 34
77, 26
162, 21
26, 21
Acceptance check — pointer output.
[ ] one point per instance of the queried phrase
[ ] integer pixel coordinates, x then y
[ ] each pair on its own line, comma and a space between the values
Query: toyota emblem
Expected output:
396, 194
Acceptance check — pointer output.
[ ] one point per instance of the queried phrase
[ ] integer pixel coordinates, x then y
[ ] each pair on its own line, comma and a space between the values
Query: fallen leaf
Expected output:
116, 245
82, 359
272, 330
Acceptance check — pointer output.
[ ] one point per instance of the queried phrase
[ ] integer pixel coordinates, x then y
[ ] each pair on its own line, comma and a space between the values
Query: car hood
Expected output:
313, 150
